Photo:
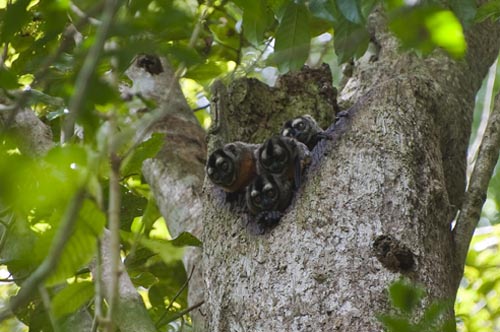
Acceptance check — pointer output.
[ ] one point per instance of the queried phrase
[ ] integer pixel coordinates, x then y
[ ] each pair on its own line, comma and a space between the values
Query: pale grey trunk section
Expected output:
395, 172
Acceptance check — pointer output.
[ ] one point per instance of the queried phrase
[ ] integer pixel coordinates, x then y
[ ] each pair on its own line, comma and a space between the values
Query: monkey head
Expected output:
304, 129
233, 166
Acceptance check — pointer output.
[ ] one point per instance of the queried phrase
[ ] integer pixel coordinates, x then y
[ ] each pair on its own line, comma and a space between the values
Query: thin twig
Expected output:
186, 283
48, 265
114, 224
185, 311
48, 307
98, 289
478, 186
89, 65
201, 108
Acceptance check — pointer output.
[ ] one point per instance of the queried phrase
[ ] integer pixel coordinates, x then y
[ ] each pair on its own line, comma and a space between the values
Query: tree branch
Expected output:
478, 185
83, 79
53, 256
130, 313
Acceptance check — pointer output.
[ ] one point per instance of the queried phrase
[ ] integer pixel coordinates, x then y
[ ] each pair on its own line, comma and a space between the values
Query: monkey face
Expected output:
221, 168
276, 155
233, 166
305, 130
264, 194
300, 128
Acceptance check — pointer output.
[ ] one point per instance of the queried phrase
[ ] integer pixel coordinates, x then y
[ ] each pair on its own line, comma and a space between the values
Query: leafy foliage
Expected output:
406, 300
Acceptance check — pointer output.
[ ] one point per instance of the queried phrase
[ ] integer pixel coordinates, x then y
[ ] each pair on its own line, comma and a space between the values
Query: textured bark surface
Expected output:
176, 174
396, 171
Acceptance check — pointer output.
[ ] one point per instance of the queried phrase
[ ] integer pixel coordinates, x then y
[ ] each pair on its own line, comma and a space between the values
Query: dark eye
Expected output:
271, 193
224, 166
280, 156
256, 199
300, 126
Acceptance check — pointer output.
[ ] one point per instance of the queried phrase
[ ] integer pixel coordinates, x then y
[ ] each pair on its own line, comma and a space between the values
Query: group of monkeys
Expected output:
266, 175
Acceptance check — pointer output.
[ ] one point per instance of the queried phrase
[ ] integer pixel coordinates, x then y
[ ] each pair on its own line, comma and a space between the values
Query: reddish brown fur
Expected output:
246, 172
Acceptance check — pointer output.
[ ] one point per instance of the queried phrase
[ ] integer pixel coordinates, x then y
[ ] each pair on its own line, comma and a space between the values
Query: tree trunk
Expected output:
377, 203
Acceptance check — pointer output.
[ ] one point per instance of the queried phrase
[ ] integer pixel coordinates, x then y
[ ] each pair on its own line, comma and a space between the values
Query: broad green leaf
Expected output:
292, 38
465, 10
132, 206
395, 324
277, 6
324, 9
256, 19
426, 27
405, 296
8, 79
186, 239
207, 71
82, 244
145, 150
350, 40
351, 10
491, 9
15, 17
72, 297
165, 249
446, 32
150, 215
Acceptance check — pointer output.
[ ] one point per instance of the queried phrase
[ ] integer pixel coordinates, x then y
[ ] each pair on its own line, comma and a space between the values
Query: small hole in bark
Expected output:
150, 63
393, 255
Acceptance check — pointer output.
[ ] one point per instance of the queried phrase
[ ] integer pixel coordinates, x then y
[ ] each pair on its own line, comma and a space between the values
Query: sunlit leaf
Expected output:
165, 249
145, 150
427, 27
15, 17
292, 38
186, 239
72, 297
82, 244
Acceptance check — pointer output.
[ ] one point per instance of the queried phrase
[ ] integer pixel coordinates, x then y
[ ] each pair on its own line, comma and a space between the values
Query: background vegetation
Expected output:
66, 60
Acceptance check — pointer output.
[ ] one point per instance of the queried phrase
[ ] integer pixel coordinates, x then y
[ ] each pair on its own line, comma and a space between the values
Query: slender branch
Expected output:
98, 288
49, 264
478, 185
185, 311
186, 283
89, 65
48, 307
114, 226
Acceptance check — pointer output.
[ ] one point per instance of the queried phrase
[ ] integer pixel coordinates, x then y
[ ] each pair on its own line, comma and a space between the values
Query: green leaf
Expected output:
395, 324
426, 27
351, 10
72, 297
145, 150
405, 296
14, 18
8, 79
491, 9
256, 19
465, 10
150, 215
324, 9
165, 249
446, 32
350, 40
293, 38
186, 239
81, 246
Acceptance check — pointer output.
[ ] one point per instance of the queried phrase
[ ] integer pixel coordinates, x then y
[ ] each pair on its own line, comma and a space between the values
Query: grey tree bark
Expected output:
377, 204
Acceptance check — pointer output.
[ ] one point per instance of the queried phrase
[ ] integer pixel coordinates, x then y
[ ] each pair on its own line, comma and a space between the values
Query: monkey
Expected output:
267, 196
284, 157
304, 129
233, 166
